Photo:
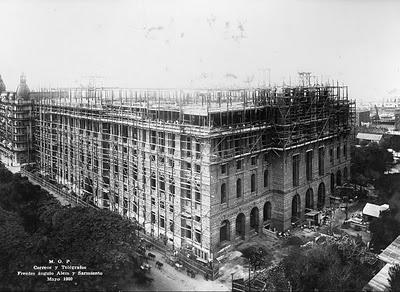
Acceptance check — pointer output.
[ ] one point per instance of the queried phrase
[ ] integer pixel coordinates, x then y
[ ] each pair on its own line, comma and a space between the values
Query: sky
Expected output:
207, 43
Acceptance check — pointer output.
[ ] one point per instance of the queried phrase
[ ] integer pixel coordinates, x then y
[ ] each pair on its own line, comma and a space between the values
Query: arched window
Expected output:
345, 174
266, 178
332, 182
339, 178
296, 211
254, 219
224, 231
310, 199
240, 225
267, 211
253, 183
223, 193
238, 188
321, 196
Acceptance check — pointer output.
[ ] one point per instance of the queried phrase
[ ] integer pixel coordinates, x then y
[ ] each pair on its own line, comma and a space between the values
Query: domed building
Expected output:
15, 124
23, 89
2, 85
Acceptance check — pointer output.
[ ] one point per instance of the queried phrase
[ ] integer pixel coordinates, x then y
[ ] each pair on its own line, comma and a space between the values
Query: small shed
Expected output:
371, 211
314, 217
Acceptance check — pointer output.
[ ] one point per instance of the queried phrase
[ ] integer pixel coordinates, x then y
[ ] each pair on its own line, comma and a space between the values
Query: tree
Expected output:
394, 278
391, 141
369, 163
332, 266
384, 230
275, 279
34, 227
257, 256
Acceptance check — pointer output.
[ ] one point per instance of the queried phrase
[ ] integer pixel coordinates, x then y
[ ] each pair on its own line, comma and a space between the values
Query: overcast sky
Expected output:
201, 43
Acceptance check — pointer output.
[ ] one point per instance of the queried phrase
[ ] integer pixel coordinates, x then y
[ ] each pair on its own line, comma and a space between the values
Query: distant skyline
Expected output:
193, 43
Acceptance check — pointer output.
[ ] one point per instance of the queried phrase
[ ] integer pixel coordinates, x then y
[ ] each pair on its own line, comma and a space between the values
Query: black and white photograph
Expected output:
198, 145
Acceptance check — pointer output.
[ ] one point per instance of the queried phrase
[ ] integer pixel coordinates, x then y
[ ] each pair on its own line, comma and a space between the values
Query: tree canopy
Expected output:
369, 163
34, 228
383, 231
333, 266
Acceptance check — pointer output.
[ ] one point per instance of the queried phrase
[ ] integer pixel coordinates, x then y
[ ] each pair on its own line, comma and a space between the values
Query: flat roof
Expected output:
313, 213
369, 136
372, 210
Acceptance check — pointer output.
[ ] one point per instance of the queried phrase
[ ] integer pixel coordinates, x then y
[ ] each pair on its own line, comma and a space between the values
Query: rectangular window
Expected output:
162, 221
345, 151
171, 208
171, 225
223, 168
321, 158
197, 195
296, 169
153, 201
253, 183
153, 217
162, 205
239, 164
188, 232
198, 236
309, 161
254, 160
338, 152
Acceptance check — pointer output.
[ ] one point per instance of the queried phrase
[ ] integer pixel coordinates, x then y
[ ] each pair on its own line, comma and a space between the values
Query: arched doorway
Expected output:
332, 183
240, 225
339, 178
267, 211
310, 199
224, 231
254, 219
296, 208
345, 174
321, 196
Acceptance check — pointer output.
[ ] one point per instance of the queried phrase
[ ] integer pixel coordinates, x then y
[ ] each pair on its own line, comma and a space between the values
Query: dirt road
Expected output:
169, 279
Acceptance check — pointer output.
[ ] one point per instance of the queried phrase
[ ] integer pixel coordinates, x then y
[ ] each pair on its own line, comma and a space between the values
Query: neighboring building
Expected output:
15, 124
368, 137
397, 121
201, 169
390, 257
363, 118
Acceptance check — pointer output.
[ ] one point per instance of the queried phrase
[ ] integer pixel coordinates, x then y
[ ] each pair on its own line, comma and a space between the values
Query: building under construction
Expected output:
197, 168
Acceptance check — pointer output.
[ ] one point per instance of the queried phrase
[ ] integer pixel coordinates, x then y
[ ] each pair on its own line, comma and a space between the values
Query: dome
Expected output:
2, 85
23, 89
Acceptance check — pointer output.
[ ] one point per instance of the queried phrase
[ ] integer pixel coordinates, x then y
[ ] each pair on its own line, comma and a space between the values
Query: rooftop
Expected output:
380, 282
374, 210
369, 136
391, 254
